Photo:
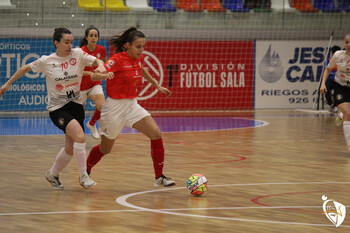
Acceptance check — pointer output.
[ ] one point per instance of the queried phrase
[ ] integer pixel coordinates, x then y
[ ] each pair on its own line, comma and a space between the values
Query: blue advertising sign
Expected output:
28, 93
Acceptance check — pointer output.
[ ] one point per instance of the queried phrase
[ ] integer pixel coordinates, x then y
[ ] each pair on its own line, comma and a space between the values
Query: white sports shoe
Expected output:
54, 181
93, 129
339, 119
87, 182
164, 181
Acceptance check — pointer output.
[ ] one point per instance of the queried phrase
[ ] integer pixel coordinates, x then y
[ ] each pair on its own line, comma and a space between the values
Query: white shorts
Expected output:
95, 90
117, 113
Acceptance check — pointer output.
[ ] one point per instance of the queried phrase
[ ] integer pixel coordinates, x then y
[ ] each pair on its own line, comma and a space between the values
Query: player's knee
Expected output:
80, 138
156, 135
105, 149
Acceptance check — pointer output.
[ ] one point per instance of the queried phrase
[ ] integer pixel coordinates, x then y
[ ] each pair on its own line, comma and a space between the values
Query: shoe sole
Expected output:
87, 187
169, 185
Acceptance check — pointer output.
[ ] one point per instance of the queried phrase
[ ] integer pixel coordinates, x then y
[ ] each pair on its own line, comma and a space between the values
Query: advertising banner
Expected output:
202, 75
29, 92
288, 72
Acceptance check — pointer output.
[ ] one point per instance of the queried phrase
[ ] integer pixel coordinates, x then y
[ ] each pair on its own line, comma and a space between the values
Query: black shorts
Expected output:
341, 94
62, 116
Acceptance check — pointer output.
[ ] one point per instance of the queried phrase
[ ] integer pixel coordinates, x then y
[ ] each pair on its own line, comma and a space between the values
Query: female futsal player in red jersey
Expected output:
124, 72
92, 89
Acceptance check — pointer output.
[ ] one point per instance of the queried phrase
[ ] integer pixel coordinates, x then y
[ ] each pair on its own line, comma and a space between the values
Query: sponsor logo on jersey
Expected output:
66, 77
73, 61
59, 87
110, 64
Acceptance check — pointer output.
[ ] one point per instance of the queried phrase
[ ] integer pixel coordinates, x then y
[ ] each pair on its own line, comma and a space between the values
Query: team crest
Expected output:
110, 64
73, 61
61, 121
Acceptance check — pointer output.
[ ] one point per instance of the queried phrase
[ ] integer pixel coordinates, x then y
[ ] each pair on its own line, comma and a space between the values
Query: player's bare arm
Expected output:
323, 88
100, 76
100, 66
19, 73
154, 82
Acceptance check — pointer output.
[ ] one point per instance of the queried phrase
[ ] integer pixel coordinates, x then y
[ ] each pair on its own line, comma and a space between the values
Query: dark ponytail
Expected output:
84, 40
58, 34
130, 35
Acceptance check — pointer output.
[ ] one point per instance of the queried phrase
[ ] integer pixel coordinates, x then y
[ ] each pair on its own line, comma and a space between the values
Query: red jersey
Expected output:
99, 52
127, 74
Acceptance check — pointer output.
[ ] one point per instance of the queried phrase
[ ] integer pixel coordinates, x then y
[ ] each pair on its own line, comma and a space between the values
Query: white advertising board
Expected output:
287, 73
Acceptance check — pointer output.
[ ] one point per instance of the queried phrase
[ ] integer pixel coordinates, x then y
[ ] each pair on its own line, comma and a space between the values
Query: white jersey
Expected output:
342, 76
63, 76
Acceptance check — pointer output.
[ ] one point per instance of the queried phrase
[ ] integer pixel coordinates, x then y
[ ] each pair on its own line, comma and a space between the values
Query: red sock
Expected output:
94, 157
95, 117
157, 153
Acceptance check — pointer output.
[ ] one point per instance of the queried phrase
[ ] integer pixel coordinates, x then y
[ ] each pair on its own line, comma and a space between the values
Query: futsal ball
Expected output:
197, 184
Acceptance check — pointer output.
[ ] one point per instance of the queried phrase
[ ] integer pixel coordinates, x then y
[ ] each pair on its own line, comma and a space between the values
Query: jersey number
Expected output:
64, 65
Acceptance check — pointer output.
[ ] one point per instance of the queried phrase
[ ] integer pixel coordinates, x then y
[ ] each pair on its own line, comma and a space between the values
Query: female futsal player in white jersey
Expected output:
121, 108
341, 59
64, 71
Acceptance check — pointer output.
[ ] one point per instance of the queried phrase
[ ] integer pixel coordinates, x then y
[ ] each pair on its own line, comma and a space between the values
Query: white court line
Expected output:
122, 201
179, 209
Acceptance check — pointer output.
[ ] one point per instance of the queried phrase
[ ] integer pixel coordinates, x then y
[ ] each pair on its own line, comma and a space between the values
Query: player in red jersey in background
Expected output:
92, 89
124, 71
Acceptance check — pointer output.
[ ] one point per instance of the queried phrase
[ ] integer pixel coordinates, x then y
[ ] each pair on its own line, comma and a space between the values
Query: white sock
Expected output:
346, 129
62, 160
80, 157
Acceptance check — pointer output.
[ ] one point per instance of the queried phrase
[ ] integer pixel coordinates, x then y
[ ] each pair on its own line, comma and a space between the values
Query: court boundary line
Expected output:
122, 201
263, 123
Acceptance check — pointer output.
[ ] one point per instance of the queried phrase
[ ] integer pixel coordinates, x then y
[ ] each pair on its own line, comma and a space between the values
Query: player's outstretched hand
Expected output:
100, 69
3, 89
110, 75
323, 89
164, 91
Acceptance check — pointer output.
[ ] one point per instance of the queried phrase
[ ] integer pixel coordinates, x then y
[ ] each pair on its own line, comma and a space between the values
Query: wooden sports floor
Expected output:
269, 178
